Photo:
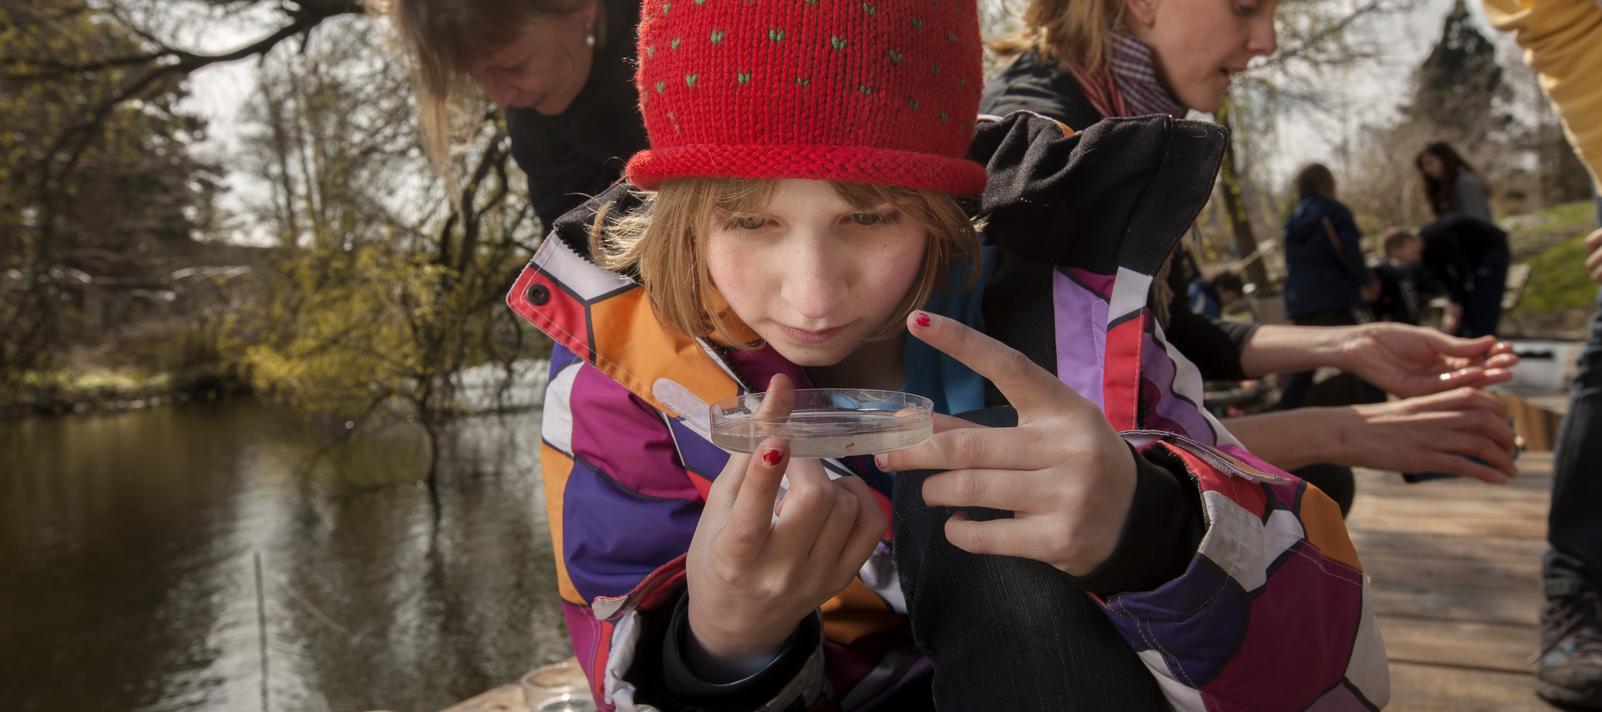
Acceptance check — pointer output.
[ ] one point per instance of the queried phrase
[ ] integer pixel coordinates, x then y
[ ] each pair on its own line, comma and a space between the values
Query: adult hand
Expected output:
1435, 433
754, 574
1066, 476
1593, 262
1412, 361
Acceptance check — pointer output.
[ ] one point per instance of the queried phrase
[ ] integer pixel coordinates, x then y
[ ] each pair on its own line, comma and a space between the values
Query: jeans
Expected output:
1574, 525
1006, 633
1482, 307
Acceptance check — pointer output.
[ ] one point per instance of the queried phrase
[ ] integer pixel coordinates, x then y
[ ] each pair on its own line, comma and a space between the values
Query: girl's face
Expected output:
544, 68
1198, 45
811, 274
1431, 165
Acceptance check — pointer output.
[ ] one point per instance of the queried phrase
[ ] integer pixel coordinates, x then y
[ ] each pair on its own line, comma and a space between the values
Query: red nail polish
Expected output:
771, 457
921, 320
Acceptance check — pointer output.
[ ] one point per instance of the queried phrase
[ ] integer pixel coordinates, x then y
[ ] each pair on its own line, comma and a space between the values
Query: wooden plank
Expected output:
1465, 644
1416, 571
1444, 547
1428, 688
1475, 606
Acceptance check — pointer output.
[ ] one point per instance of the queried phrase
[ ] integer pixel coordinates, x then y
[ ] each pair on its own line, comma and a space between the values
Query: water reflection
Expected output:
126, 577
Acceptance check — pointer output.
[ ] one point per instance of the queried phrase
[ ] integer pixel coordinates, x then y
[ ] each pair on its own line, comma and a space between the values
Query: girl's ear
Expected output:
1142, 13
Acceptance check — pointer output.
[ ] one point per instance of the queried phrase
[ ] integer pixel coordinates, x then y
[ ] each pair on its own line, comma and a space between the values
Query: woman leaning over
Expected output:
563, 71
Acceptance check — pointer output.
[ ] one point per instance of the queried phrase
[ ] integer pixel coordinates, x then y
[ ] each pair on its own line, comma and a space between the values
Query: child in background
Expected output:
804, 218
1404, 284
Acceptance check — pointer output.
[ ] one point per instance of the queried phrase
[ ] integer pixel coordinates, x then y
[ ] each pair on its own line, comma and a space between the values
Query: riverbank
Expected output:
56, 393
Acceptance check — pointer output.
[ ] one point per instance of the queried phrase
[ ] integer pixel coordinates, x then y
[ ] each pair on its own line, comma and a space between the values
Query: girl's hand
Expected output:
753, 574
1435, 433
1066, 476
1413, 361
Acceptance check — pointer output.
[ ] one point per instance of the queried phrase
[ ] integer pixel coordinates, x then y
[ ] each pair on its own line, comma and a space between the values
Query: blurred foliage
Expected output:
1559, 279
96, 182
372, 287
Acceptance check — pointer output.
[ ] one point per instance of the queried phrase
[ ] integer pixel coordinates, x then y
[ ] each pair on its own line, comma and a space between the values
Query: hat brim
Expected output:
852, 164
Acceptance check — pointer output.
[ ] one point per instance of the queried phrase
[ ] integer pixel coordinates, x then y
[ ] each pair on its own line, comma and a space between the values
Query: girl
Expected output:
1451, 185
796, 222
1081, 61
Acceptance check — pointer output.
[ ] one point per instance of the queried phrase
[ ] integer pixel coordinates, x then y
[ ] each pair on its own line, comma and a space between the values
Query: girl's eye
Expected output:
747, 222
1246, 10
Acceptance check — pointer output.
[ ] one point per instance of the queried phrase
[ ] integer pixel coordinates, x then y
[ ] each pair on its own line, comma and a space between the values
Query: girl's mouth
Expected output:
806, 336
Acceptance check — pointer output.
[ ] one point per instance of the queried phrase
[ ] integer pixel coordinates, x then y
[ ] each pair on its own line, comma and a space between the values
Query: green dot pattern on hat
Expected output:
887, 75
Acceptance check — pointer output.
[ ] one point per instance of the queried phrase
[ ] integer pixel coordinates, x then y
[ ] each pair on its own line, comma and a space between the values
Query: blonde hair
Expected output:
1073, 30
441, 38
662, 242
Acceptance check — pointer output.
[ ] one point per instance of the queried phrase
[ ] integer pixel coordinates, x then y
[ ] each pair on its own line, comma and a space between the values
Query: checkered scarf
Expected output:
1131, 65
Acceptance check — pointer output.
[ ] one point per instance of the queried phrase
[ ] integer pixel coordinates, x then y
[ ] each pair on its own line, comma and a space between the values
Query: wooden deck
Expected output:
1456, 568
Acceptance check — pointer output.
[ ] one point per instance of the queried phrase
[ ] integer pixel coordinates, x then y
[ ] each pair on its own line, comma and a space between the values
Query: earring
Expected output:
589, 37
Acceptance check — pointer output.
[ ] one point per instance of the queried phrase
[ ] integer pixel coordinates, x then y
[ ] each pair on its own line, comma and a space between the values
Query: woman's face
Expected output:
543, 68
811, 274
1198, 45
1430, 164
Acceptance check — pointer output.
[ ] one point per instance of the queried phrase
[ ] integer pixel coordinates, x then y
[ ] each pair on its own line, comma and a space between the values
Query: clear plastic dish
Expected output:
825, 422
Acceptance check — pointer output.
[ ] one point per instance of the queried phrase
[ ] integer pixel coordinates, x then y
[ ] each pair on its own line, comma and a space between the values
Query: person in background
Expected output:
1404, 284
1468, 258
1562, 40
562, 70
1451, 185
1327, 282
1229, 288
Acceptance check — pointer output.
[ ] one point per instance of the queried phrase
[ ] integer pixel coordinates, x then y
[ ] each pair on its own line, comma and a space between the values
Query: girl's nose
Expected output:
1264, 38
812, 284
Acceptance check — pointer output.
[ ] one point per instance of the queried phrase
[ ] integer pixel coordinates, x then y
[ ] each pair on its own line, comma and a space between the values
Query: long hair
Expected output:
663, 242
1073, 30
1315, 179
1440, 192
441, 38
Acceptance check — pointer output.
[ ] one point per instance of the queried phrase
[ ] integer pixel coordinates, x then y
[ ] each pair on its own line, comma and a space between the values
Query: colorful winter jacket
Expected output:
1272, 611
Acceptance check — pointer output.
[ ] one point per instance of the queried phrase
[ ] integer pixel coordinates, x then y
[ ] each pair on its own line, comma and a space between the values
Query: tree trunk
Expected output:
1240, 219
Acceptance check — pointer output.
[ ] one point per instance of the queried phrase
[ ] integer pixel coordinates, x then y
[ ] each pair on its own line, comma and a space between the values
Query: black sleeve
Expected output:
664, 677
1161, 534
560, 178
1214, 345
1031, 84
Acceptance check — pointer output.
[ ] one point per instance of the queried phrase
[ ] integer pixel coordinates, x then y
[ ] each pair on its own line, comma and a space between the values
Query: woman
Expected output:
563, 70
1451, 185
1325, 278
1082, 61
1326, 281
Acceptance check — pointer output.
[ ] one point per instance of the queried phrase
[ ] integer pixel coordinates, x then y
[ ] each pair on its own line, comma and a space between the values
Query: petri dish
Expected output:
825, 422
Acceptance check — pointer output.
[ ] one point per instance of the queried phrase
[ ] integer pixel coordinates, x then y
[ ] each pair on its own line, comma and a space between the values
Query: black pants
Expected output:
1006, 633
1574, 526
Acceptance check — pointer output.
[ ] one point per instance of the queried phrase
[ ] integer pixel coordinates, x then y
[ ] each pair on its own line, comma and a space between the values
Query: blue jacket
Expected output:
1317, 278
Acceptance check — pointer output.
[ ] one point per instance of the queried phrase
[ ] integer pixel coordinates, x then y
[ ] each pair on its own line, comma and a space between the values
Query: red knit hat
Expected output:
865, 91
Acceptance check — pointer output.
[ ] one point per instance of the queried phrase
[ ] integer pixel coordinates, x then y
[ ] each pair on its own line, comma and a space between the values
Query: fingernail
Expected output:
921, 319
772, 457
878, 461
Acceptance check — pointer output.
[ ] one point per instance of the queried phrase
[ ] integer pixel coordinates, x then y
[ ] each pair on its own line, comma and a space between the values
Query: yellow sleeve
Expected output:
1562, 40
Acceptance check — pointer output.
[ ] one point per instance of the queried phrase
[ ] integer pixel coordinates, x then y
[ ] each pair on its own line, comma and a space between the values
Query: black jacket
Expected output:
1032, 84
577, 154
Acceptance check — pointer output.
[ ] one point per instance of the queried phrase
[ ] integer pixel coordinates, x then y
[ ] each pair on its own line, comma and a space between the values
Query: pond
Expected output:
129, 546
